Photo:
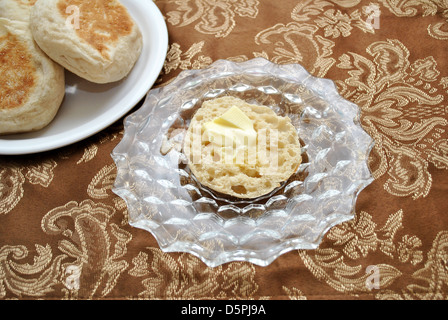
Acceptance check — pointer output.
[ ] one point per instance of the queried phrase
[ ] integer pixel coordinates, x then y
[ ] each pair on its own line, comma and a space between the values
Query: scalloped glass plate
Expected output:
164, 198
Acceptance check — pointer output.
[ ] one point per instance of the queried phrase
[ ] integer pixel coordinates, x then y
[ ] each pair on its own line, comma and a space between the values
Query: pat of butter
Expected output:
232, 129
236, 118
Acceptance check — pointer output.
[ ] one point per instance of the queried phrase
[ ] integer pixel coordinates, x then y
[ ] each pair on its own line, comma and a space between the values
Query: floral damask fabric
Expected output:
65, 235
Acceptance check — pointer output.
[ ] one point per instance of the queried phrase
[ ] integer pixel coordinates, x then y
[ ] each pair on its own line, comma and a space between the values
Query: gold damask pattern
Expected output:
164, 277
65, 235
402, 110
211, 17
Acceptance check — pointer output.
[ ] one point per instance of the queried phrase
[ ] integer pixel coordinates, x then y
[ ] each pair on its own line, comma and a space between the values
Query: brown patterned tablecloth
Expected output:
57, 210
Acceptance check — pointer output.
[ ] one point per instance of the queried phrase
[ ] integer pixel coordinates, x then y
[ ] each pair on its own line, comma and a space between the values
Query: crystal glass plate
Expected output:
164, 198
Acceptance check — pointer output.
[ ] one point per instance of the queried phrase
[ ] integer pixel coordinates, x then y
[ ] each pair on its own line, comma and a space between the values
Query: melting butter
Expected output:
233, 129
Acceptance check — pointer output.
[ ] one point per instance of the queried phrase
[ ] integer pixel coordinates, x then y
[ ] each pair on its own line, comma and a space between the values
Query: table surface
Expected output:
59, 219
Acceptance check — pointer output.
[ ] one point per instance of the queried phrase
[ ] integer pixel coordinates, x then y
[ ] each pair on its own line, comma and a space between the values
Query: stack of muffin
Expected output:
97, 40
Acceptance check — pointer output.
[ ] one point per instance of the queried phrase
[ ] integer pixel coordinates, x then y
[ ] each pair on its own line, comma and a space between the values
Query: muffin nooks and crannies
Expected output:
241, 149
97, 40
32, 86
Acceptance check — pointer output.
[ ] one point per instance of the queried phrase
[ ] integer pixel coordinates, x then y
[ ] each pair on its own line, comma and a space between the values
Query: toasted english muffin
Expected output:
259, 171
97, 40
32, 86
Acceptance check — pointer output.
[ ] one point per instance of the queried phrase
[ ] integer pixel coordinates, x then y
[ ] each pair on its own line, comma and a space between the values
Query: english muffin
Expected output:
32, 86
253, 170
97, 40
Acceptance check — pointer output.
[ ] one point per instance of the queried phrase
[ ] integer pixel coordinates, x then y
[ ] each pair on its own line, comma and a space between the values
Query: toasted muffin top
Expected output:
17, 71
261, 169
101, 22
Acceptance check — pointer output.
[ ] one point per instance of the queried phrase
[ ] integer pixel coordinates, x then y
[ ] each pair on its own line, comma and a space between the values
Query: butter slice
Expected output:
232, 129
234, 117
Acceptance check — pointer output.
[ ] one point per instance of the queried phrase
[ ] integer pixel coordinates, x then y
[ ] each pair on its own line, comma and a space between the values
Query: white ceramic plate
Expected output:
89, 108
